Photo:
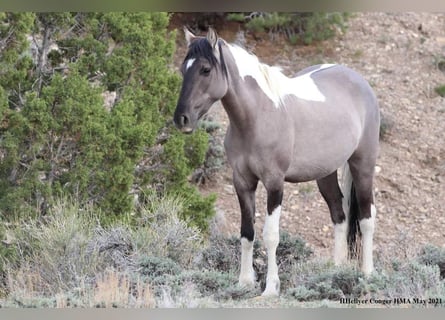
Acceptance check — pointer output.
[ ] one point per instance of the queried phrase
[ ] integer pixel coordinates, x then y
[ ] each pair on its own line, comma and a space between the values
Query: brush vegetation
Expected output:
69, 258
86, 102
96, 208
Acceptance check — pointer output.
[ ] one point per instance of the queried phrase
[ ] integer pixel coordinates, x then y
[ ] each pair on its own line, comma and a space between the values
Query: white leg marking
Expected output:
247, 274
271, 237
341, 230
340, 243
367, 229
189, 63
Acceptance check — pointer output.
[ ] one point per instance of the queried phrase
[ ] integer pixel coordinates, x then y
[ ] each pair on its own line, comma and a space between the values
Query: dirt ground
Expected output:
398, 53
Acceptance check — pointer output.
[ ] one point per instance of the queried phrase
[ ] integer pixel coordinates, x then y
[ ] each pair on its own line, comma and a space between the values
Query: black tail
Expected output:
354, 227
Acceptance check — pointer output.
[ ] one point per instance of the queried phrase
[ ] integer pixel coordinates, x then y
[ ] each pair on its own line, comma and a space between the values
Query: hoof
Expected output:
247, 282
272, 288
270, 293
367, 271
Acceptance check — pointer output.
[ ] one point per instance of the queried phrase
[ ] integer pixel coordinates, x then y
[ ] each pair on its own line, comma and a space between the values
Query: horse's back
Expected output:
347, 119
339, 79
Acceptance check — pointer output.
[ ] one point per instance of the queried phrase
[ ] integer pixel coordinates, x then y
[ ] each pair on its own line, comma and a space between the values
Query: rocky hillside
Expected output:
400, 54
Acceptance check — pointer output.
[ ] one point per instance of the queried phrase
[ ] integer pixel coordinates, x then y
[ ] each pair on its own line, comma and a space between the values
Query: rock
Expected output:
229, 189
441, 40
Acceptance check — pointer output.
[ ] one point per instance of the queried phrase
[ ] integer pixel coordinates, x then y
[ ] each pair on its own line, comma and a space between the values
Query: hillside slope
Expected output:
398, 53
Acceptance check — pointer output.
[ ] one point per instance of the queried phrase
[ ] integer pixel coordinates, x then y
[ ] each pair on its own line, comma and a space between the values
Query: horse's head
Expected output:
204, 79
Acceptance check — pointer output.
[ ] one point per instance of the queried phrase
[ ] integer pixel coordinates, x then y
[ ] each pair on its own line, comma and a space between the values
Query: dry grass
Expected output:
114, 289
70, 260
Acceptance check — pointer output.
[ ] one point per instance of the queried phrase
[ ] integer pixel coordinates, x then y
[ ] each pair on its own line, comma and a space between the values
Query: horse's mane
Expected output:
273, 82
269, 78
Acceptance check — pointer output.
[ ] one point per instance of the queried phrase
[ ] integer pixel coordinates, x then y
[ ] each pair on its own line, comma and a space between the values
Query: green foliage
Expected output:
440, 90
59, 135
305, 27
51, 254
153, 267
211, 282
70, 258
215, 155
416, 277
160, 232
67, 249
432, 255
412, 279
223, 254
386, 126
181, 154
317, 281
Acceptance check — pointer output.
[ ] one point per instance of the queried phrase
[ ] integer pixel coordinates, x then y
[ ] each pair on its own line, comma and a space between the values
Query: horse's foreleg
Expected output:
246, 196
271, 237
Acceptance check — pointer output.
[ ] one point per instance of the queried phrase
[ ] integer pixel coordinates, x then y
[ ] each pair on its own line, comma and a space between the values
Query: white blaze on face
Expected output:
273, 82
189, 63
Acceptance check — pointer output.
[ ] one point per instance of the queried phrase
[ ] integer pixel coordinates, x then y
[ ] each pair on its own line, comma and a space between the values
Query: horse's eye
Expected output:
205, 71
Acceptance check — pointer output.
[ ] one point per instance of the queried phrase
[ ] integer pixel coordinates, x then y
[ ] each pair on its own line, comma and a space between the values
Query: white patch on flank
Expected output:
247, 275
273, 82
189, 63
367, 228
271, 237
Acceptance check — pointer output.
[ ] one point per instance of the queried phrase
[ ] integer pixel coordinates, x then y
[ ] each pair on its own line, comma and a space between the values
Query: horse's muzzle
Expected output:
183, 123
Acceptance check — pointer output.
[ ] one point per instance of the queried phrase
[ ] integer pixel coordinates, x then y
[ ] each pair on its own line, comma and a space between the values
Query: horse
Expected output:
283, 129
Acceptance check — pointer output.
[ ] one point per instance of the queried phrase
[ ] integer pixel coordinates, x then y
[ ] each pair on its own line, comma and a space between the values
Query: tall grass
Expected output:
68, 258
52, 253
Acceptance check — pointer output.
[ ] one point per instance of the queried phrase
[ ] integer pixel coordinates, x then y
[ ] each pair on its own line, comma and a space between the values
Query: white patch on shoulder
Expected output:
189, 63
273, 82
305, 88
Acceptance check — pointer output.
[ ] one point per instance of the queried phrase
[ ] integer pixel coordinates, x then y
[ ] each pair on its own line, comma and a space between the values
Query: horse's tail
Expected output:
350, 208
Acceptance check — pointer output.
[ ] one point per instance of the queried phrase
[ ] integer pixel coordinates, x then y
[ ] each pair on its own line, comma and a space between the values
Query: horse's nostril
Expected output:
184, 120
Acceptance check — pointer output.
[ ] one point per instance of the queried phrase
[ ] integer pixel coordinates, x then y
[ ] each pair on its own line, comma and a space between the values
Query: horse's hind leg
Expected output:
331, 193
362, 171
245, 190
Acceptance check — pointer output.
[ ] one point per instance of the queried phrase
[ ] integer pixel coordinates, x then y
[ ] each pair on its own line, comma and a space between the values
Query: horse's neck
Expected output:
238, 107
240, 101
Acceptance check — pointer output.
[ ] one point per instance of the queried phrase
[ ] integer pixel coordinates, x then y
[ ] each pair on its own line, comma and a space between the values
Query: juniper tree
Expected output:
58, 134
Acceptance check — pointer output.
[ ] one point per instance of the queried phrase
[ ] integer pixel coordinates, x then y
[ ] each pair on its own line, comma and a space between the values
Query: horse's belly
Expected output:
309, 172
317, 163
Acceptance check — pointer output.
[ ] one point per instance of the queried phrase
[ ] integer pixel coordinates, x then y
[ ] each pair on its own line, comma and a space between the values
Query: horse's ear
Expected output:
189, 37
212, 37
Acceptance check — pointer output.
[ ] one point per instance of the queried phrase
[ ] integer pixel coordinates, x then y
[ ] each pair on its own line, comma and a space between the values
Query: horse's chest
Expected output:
256, 156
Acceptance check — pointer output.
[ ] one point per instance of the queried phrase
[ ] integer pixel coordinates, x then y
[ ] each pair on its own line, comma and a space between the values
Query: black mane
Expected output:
201, 48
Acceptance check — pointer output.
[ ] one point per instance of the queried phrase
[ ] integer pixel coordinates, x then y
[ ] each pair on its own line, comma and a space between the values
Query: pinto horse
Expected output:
287, 129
